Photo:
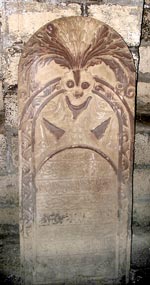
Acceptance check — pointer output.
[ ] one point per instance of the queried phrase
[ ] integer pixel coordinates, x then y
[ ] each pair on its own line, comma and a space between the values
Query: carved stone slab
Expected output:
76, 106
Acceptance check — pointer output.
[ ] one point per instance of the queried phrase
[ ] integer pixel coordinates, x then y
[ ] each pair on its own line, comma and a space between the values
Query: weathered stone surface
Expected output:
147, 1
141, 184
146, 25
20, 20
11, 110
15, 151
9, 210
10, 255
141, 198
125, 20
135, 54
61, 2
25, 14
76, 103
10, 72
142, 127
9, 194
124, 2
140, 249
143, 97
2, 122
141, 212
1, 97
3, 154
144, 59
9, 215
142, 148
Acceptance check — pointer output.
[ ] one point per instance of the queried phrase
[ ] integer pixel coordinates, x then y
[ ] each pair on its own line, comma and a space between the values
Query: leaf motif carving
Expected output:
106, 46
57, 132
100, 130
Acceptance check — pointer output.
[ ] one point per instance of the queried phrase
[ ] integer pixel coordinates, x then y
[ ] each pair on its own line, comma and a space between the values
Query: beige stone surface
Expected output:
140, 249
9, 196
141, 213
3, 153
144, 64
141, 197
142, 148
15, 151
126, 20
141, 184
9, 215
1, 97
10, 68
146, 23
11, 110
143, 96
21, 24
76, 105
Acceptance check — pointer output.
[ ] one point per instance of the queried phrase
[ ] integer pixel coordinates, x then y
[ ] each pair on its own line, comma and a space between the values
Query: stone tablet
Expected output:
76, 108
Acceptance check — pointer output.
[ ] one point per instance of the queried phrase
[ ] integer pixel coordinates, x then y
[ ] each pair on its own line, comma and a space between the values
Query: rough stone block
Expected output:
126, 20
123, 2
14, 151
141, 213
141, 184
143, 97
19, 21
9, 215
144, 64
9, 195
2, 122
11, 110
25, 18
1, 97
135, 55
141, 197
10, 260
146, 25
3, 154
142, 148
10, 71
140, 249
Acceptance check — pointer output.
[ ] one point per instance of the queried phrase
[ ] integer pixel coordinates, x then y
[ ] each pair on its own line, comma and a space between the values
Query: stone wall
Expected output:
20, 19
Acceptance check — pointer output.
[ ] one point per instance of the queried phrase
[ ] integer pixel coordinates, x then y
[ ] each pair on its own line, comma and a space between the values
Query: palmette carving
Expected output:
76, 91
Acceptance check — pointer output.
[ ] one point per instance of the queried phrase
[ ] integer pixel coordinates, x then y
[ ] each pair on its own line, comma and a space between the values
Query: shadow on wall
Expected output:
140, 278
9, 280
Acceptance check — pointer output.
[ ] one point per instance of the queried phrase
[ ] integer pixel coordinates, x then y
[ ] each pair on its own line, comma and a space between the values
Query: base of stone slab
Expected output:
138, 277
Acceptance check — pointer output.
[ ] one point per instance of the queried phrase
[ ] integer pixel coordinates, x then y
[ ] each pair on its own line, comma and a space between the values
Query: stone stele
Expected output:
76, 112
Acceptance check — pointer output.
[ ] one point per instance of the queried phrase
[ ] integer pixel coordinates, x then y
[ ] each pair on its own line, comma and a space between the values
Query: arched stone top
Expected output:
78, 43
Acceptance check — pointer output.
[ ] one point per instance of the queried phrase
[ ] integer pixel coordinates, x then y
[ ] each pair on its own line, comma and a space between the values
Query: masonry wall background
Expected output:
19, 20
